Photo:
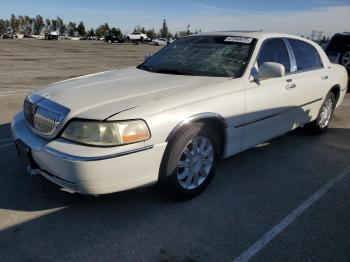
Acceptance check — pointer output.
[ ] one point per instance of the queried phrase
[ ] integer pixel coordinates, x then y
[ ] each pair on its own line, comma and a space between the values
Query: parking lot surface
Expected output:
296, 185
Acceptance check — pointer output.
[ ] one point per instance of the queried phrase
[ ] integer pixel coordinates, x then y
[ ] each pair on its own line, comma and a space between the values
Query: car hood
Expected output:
101, 95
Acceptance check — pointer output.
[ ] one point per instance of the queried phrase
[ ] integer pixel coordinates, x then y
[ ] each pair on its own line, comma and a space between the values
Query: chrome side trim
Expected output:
276, 114
73, 158
205, 115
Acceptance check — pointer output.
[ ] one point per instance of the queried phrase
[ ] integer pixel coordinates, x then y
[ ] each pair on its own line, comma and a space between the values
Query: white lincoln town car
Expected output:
169, 120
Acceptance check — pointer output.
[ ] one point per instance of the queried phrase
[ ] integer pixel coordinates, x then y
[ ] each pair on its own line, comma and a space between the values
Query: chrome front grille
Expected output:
43, 116
45, 121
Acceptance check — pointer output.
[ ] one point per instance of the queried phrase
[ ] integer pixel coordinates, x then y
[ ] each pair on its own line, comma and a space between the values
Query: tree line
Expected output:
37, 25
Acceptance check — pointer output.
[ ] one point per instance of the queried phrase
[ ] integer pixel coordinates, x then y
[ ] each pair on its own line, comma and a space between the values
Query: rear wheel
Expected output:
190, 161
109, 42
323, 119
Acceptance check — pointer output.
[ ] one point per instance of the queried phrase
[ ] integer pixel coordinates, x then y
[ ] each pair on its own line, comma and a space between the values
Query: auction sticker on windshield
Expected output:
239, 39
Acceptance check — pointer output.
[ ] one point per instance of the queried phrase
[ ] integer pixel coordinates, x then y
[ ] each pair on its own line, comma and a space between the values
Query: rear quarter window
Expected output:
306, 56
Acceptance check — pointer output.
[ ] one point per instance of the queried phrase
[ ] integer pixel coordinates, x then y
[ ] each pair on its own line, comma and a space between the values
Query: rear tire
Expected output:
321, 123
190, 160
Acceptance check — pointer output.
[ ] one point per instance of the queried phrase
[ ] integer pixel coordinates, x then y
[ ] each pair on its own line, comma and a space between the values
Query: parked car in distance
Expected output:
338, 50
159, 42
169, 120
92, 38
113, 39
137, 36
8, 36
51, 36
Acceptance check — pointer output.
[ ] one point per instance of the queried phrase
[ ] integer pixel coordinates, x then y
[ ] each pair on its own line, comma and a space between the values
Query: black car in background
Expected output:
114, 39
51, 36
338, 50
8, 36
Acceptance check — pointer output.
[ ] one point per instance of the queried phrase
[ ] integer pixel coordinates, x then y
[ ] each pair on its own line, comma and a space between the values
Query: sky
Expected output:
296, 16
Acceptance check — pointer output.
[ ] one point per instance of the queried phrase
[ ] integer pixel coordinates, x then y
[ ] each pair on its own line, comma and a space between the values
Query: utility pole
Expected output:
313, 35
320, 34
316, 35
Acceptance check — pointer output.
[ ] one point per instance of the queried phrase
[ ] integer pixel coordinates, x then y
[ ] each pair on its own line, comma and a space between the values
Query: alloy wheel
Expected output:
195, 163
326, 113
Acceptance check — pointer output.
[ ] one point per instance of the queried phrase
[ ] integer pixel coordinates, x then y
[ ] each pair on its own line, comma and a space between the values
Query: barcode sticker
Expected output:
239, 39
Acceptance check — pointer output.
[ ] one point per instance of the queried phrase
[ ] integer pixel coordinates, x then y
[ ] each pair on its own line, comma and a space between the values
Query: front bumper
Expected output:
90, 170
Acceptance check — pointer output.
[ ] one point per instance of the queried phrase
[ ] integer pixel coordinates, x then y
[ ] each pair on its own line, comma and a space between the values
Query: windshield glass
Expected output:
221, 56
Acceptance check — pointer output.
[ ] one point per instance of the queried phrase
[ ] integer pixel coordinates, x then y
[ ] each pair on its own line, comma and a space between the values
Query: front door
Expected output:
271, 104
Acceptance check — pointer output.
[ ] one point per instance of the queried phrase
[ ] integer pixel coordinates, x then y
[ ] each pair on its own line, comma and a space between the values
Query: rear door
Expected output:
270, 103
313, 79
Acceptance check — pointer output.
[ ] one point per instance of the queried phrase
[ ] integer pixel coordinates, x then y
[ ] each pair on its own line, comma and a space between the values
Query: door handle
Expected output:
291, 86
324, 77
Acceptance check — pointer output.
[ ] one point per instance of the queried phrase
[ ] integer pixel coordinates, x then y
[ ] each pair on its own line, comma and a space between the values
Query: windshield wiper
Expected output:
175, 71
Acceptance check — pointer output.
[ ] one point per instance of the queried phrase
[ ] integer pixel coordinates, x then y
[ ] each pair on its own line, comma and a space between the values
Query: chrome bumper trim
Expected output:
73, 158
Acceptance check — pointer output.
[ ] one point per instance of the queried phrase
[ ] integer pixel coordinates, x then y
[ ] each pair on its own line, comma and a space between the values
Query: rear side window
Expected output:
306, 56
274, 50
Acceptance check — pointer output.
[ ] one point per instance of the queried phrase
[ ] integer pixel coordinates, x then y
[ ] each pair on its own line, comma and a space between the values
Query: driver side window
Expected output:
274, 50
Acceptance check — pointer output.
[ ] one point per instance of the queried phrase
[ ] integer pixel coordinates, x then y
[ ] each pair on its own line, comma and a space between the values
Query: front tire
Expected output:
190, 160
321, 124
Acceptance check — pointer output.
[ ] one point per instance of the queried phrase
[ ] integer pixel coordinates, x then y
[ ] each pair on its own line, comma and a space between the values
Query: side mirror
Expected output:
254, 75
271, 70
148, 56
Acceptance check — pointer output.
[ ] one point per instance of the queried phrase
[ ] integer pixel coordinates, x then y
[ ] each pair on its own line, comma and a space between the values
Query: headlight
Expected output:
106, 133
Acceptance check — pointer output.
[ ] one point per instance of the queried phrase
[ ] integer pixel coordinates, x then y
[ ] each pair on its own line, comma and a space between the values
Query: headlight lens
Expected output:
106, 133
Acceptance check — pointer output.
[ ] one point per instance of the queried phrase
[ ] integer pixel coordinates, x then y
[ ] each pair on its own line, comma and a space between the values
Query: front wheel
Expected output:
323, 119
190, 161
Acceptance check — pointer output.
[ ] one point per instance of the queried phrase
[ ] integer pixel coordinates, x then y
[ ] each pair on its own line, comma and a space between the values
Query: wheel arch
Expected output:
216, 121
336, 92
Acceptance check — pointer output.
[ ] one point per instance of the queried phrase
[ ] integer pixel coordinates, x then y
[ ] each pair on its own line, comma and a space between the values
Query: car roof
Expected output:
253, 34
